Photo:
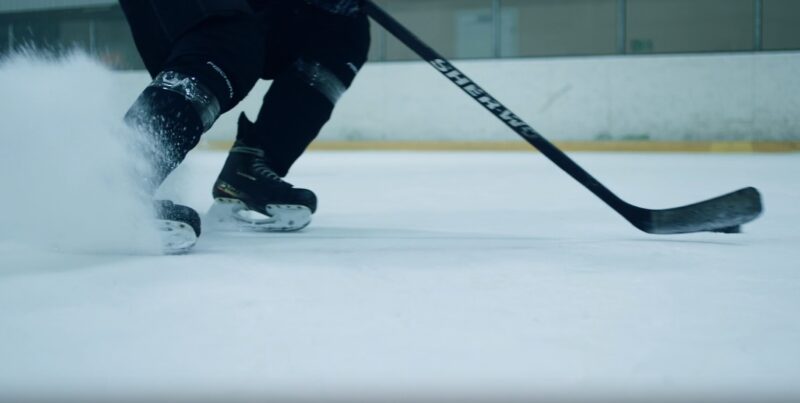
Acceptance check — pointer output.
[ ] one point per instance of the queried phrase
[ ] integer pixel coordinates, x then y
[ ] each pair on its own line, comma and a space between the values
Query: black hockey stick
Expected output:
725, 213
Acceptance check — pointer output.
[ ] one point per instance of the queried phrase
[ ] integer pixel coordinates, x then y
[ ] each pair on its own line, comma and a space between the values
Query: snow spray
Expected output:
68, 164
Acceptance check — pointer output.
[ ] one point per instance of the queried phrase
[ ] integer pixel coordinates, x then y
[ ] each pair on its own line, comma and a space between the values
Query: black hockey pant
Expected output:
312, 56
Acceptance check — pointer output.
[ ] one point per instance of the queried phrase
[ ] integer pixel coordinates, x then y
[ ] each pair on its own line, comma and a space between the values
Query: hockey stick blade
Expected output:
724, 213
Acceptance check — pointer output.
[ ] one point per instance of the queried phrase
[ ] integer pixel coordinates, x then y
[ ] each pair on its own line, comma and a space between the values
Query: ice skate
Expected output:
250, 196
178, 226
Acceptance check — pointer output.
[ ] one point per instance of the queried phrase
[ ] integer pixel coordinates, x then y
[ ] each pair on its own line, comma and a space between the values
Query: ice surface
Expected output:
449, 272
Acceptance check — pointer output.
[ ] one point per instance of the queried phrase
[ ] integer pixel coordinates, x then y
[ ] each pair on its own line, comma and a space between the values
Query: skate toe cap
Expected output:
306, 198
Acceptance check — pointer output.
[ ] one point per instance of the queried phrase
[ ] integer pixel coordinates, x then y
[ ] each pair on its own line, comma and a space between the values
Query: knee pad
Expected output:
331, 64
321, 79
201, 99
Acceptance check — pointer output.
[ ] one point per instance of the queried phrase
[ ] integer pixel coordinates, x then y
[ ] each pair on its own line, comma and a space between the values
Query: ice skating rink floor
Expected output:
422, 272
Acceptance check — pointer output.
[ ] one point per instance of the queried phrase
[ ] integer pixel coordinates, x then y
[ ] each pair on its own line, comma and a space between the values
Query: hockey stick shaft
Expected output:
495, 107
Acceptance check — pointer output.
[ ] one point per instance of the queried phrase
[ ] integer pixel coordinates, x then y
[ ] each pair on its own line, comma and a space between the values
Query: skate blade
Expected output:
176, 237
234, 215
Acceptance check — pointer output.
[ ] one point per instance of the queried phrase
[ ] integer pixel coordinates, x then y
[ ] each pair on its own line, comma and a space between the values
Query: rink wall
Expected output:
731, 98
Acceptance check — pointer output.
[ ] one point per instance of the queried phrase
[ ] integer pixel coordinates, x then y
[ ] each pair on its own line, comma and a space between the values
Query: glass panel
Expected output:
455, 28
33, 31
73, 33
656, 26
558, 27
781, 24
114, 43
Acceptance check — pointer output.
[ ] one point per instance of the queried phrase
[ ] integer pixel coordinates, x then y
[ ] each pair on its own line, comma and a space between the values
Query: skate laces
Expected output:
258, 164
260, 167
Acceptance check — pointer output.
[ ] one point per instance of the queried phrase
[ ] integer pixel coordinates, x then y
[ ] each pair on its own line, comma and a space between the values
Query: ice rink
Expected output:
433, 272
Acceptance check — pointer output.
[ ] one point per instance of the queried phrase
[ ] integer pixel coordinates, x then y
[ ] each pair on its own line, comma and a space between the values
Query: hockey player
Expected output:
204, 57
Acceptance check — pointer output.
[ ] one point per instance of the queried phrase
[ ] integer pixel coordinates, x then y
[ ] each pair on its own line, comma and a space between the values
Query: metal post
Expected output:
758, 31
92, 37
622, 26
497, 25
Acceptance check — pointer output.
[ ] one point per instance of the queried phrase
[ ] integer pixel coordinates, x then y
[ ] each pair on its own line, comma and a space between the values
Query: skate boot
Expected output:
250, 196
178, 225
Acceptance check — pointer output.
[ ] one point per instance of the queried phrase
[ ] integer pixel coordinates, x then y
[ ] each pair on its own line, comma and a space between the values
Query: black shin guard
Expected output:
172, 113
290, 118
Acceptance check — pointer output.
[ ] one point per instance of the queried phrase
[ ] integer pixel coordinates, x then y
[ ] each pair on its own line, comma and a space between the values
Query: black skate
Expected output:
249, 195
178, 225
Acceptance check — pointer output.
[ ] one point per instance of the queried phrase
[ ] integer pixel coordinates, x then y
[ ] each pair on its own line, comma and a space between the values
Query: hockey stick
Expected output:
724, 213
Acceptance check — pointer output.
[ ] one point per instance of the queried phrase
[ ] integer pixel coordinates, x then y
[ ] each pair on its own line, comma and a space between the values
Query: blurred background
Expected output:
467, 29
581, 71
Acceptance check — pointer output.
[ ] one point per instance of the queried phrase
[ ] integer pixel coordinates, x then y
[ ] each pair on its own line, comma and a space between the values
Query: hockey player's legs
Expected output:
329, 52
317, 56
209, 69
204, 55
